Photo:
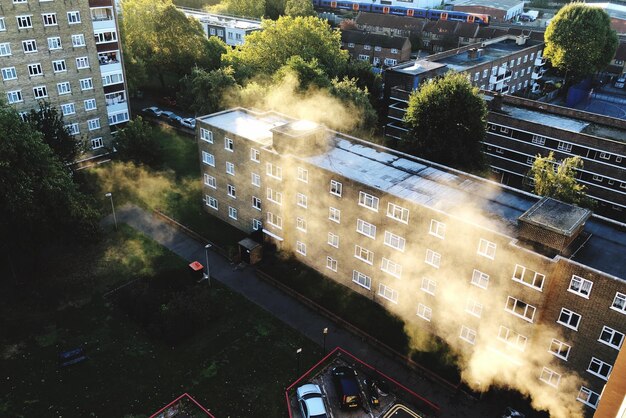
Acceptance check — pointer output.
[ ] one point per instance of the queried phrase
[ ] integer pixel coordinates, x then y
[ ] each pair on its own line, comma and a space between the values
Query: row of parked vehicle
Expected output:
347, 389
169, 116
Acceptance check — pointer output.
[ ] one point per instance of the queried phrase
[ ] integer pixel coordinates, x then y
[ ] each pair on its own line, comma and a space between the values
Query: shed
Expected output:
250, 251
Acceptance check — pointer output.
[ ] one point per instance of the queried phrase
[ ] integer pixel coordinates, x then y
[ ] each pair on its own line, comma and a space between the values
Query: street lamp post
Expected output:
110, 196
298, 351
324, 333
206, 253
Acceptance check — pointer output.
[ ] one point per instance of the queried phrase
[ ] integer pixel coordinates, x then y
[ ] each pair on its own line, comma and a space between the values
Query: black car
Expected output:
347, 387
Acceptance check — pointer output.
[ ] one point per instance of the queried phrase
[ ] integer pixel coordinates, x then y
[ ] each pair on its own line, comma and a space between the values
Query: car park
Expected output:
311, 401
174, 119
188, 123
153, 111
347, 387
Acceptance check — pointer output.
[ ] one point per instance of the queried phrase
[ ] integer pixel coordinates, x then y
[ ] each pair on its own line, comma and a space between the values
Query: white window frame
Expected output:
93, 124
54, 43
78, 40
424, 312
334, 214
49, 19
473, 307
388, 293
301, 200
64, 88
14, 96
86, 84
577, 286
366, 228
599, 364
570, 314
437, 229
256, 224
363, 254
428, 285
611, 334
303, 175
584, 396
511, 338
82, 63
368, 201
97, 143
333, 240
395, 241
208, 159
9, 73
229, 144
210, 181
361, 279
230, 168
274, 171
232, 213
619, 302
564, 146
59, 66
29, 46
391, 267
336, 188
255, 179
433, 258
550, 377
557, 348
68, 109
231, 191
255, 155
468, 334
274, 196
24, 21
301, 224
301, 248
40, 92
527, 308
206, 135
256, 203
398, 213
90, 104
487, 249
73, 17
520, 272
480, 279
331, 263
274, 220
5, 49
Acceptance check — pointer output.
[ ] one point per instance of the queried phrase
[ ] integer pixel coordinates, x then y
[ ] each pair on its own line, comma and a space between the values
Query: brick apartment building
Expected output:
531, 283
499, 10
376, 49
68, 54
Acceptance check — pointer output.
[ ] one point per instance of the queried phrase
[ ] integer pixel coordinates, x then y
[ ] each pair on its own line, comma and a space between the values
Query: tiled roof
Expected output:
366, 38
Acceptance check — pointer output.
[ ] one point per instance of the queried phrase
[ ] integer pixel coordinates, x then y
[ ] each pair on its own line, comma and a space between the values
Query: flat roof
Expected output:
491, 52
617, 11
418, 67
494, 4
256, 127
556, 216
221, 20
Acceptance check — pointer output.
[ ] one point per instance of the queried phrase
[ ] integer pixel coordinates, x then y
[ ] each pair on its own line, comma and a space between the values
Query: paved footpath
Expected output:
298, 316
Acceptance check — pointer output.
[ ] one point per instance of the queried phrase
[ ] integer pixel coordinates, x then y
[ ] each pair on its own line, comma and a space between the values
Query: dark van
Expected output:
347, 387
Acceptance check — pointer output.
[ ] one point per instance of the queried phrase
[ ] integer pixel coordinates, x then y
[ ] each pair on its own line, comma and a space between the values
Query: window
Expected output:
29, 46
68, 109
485, 73
388, 293
398, 213
303, 175
256, 180
24, 22
480, 279
14, 96
528, 277
90, 104
468, 334
476, 76
78, 40
112, 78
366, 228
301, 200
335, 188
64, 88
301, 224
394, 51
367, 47
73, 17
331, 263
232, 192
559, 349
59, 66
521, 74
487, 249
257, 224
73, 128
550, 377
428, 285
588, 397
232, 212
83, 62
597, 178
504, 130
206, 135
474, 308
49, 19
208, 159
274, 220
220, 32
40, 92
363, 254
520, 308
361, 279
368, 201
390, 61
539, 140
424, 312
274, 171
580, 286
437, 229
9, 73
229, 145
619, 303
86, 84
104, 37
599, 368
118, 117
254, 155
3, 25
34, 70
210, 181
334, 214
93, 124
301, 247
564, 146
54, 43
274, 196
569, 319
392, 268
433, 258
605, 156
230, 168
96, 143
5, 49
512, 338
333, 240
394, 241
611, 337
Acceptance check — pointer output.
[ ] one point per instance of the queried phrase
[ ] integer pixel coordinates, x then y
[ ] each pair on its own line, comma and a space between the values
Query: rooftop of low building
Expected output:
222, 20
367, 38
494, 4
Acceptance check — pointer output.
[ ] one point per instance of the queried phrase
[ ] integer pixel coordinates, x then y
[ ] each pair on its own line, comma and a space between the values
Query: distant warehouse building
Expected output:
501, 10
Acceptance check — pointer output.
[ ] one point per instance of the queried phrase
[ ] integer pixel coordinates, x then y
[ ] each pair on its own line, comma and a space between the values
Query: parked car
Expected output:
512, 413
347, 387
174, 119
311, 401
188, 123
620, 82
153, 111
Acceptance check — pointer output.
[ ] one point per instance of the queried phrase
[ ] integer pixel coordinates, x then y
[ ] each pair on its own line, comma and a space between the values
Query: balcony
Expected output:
536, 75
502, 76
540, 61
501, 88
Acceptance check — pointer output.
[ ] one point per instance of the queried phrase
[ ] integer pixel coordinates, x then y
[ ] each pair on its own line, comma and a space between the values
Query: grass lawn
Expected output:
237, 366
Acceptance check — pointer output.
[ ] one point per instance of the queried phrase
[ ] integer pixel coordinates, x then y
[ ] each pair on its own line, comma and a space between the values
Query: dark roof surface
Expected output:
366, 38
389, 21
467, 30
620, 54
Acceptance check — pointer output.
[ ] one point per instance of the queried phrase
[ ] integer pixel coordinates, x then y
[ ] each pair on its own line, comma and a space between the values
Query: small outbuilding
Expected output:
250, 251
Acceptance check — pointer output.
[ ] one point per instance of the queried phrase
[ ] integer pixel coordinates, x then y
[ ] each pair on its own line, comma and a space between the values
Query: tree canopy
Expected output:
203, 90
159, 38
265, 51
299, 8
557, 179
136, 142
447, 120
580, 40
40, 203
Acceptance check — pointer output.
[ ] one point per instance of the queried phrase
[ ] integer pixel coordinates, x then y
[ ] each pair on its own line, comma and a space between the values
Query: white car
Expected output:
512, 413
311, 401
188, 123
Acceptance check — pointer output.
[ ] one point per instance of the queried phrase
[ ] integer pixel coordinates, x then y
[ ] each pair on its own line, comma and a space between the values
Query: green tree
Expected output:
309, 73
295, 8
40, 204
205, 89
136, 142
447, 120
274, 8
49, 122
580, 40
350, 94
246, 8
267, 50
557, 179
